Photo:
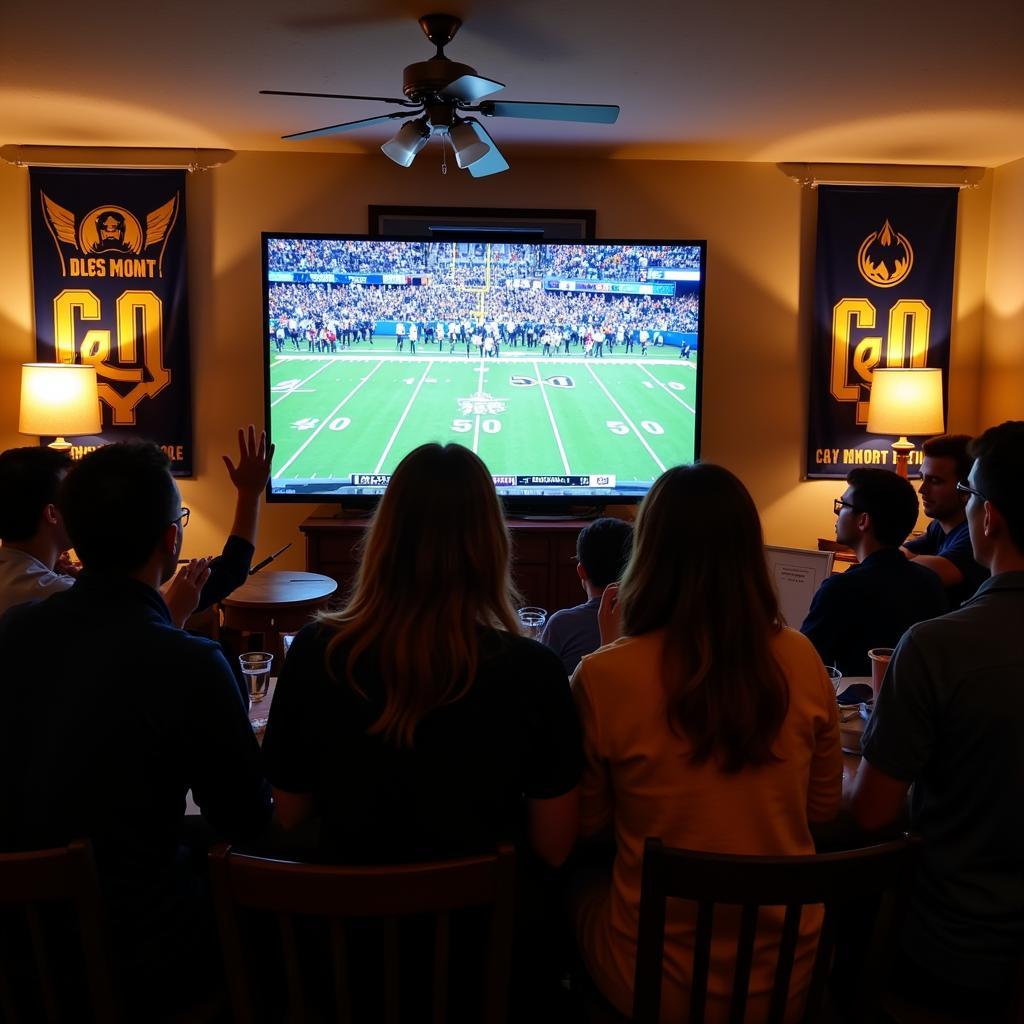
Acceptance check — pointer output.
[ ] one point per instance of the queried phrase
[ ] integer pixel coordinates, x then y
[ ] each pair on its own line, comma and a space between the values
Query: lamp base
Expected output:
60, 445
902, 447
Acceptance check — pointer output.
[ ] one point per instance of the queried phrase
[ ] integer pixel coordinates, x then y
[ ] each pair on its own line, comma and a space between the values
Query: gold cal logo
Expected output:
885, 257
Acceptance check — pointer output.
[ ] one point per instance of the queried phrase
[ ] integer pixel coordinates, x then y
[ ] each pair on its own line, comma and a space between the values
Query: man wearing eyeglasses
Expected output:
33, 560
874, 602
111, 713
949, 719
945, 547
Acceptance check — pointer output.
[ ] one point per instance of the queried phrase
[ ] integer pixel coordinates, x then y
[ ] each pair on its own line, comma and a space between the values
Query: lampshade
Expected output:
409, 140
906, 402
59, 398
467, 145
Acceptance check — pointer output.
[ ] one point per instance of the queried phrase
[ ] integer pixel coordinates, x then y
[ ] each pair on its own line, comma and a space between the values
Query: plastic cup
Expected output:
532, 620
835, 676
256, 670
879, 665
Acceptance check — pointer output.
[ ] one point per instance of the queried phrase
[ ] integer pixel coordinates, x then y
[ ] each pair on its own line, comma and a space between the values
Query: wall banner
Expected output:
883, 297
111, 289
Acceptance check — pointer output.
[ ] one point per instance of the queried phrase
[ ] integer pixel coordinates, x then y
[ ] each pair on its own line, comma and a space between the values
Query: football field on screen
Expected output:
521, 413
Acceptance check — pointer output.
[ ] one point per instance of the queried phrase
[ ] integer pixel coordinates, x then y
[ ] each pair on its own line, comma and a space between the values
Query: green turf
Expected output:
629, 416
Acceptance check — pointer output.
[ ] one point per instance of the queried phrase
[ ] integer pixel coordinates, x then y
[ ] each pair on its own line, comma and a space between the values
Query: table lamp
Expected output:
59, 399
905, 402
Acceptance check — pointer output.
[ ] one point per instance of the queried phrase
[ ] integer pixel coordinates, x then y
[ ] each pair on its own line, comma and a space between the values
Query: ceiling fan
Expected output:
439, 94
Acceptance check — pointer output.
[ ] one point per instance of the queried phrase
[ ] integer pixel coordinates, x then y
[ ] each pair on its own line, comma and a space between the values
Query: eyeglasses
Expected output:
838, 505
183, 518
965, 488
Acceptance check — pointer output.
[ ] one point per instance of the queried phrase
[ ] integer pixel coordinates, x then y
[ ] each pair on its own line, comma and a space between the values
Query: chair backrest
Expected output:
388, 893
832, 879
34, 886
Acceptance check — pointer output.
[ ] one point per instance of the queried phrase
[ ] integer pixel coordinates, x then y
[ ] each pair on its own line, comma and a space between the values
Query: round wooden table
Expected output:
272, 603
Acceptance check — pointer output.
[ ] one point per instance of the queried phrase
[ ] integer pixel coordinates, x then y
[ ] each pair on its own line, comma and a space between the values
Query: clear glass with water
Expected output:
256, 667
532, 620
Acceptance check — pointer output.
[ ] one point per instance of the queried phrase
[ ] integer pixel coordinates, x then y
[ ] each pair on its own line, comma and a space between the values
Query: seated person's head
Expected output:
439, 530
995, 513
602, 551
945, 461
29, 481
877, 503
123, 511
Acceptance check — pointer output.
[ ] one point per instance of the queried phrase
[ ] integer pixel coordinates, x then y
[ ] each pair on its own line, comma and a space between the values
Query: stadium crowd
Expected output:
310, 316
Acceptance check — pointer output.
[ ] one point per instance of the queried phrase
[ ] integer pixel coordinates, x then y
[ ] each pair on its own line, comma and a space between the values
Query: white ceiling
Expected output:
909, 82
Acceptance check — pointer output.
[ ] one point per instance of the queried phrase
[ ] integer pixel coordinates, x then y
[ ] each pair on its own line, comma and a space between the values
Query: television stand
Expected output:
543, 551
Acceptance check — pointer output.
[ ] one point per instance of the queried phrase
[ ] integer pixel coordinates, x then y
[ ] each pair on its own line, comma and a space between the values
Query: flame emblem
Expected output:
885, 257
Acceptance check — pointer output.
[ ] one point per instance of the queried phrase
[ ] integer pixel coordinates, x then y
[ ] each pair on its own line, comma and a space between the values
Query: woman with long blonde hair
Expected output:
416, 722
708, 724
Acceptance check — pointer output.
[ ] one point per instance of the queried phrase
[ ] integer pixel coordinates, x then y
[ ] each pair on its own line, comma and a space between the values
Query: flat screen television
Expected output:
573, 369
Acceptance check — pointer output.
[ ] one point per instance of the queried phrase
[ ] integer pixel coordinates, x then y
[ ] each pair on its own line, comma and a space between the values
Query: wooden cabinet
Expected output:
543, 562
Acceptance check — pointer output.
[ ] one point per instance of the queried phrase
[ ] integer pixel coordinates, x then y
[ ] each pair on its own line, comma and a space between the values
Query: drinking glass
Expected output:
256, 669
532, 621
836, 676
880, 657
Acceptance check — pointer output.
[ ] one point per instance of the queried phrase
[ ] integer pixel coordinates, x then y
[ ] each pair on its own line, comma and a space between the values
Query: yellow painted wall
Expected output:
760, 231
1002, 384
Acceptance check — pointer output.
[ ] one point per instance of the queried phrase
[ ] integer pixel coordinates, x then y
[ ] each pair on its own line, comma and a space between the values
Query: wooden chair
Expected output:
33, 887
832, 879
390, 893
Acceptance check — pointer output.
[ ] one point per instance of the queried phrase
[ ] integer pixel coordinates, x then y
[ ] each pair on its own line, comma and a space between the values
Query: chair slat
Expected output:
822, 965
339, 961
744, 958
442, 937
42, 961
784, 966
292, 966
392, 972
701, 960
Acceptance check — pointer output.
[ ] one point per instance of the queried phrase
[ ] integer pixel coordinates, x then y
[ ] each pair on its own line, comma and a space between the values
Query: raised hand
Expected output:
252, 472
182, 593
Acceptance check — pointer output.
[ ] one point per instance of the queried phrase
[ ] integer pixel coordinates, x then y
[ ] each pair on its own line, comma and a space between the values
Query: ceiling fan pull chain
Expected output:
444, 153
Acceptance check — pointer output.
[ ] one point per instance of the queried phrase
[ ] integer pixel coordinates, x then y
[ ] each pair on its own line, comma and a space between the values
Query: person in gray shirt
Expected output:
602, 551
949, 720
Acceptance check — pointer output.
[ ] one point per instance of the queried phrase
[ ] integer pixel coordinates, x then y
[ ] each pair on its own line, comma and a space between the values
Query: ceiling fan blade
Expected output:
492, 162
591, 113
338, 96
346, 126
470, 88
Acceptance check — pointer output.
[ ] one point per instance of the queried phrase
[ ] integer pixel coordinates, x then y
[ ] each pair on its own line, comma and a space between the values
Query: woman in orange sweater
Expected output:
709, 724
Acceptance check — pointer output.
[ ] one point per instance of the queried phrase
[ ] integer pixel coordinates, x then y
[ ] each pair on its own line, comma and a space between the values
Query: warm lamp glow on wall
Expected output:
59, 399
905, 402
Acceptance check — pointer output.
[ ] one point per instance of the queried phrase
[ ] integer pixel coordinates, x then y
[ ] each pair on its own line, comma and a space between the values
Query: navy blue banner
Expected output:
111, 289
883, 297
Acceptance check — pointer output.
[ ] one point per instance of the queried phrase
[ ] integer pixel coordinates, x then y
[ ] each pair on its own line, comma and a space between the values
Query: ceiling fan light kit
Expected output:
441, 92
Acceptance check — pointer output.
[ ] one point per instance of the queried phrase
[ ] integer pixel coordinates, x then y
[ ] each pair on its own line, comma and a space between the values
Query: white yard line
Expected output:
401, 420
295, 387
551, 416
305, 444
479, 391
668, 390
626, 419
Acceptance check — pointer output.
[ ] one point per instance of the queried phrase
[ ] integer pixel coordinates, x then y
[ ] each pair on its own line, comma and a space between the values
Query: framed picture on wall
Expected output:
438, 221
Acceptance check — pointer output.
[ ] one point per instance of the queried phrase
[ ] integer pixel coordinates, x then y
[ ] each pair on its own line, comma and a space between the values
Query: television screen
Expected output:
572, 369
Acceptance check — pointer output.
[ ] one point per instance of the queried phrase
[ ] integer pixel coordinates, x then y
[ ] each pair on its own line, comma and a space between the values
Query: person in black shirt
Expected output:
416, 722
874, 602
111, 714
